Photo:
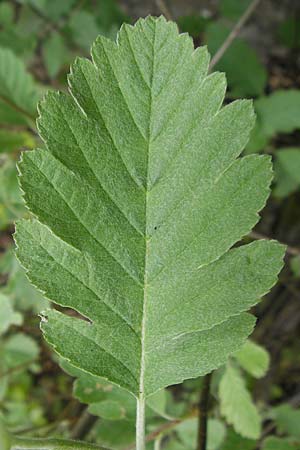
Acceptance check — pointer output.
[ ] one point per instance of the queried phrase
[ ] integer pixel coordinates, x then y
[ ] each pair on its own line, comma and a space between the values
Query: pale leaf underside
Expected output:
138, 199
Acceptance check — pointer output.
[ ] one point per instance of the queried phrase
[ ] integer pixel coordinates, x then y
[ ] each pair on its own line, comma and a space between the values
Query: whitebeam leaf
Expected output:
138, 199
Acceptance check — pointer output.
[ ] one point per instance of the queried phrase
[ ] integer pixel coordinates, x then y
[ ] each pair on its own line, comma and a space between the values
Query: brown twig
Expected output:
234, 33
203, 413
161, 4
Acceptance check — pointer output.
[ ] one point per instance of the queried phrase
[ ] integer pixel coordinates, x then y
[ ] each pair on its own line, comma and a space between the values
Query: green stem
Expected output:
140, 423
18, 443
157, 443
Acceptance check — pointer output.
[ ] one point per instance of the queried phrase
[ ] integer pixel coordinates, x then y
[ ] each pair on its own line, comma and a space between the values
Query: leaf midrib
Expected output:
147, 240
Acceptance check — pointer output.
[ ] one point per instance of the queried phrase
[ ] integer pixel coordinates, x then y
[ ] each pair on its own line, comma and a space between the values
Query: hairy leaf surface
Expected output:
138, 199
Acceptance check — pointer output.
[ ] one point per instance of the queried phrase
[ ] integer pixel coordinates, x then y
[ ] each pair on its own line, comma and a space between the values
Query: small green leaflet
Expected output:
287, 420
247, 78
55, 54
237, 405
188, 429
11, 202
276, 113
8, 316
138, 198
12, 140
275, 443
287, 171
21, 293
295, 265
235, 442
254, 359
17, 350
18, 92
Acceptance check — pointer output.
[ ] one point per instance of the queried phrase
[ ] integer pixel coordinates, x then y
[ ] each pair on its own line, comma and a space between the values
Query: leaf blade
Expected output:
115, 236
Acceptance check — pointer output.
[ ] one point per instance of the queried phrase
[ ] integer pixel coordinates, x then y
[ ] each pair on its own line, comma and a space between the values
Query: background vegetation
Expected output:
254, 401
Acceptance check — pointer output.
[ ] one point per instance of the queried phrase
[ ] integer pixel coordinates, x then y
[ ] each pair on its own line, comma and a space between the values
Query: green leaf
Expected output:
6, 14
158, 403
109, 401
295, 265
20, 291
54, 9
245, 73
84, 28
55, 54
115, 434
287, 171
136, 219
105, 400
279, 112
188, 430
174, 445
11, 203
289, 32
39, 4
237, 406
258, 140
18, 41
193, 24
15, 140
110, 15
233, 9
287, 419
254, 359
276, 113
18, 349
235, 442
8, 316
115, 406
5, 438
274, 443
18, 93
